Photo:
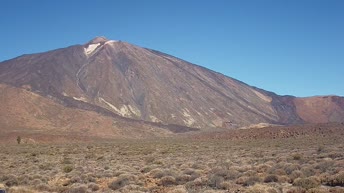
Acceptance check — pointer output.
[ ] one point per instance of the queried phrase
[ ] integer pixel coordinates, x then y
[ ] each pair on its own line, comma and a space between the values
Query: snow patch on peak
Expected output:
91, 47
110, 41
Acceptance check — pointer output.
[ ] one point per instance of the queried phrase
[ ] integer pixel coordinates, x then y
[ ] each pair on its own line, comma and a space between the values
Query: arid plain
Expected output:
297, 159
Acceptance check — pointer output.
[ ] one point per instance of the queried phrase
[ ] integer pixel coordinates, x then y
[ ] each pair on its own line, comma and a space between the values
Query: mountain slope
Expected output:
118, 79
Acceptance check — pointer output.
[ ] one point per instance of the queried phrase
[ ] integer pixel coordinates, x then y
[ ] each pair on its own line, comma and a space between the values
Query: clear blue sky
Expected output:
291, 47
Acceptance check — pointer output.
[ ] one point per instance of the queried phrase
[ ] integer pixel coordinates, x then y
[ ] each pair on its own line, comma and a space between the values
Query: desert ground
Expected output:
298, 159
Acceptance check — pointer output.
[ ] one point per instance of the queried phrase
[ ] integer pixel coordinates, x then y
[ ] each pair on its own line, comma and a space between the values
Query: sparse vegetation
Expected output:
18, 139
293, 165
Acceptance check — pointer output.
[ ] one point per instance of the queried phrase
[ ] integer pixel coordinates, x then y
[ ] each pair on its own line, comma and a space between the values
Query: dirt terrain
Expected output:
293, 159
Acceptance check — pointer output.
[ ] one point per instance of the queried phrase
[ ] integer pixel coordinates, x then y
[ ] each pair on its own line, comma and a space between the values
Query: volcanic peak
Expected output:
98, 39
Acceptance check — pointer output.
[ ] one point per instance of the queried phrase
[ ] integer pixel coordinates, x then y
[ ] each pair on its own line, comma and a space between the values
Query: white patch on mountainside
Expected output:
80, 99
125, 111
154, 119
109, 104
135, 111
90, 48
189, 120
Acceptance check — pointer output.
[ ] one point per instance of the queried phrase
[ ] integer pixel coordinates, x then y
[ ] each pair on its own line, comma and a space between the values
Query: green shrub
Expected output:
67, 169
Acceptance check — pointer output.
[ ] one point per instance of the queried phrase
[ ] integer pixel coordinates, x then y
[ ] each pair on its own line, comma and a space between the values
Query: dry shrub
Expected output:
271, 178
159, 173
297, 156
290, 168
296, 174
184, 178
178, 190
307, 183
75, 179
193, 173
93, 186
197, 184
78, 189
230, 186
308, 171
279, 172
21, 190
167, 181
42, 187
10, 180
296, 190
337, 180
132, 188
324, 165
215, 181
317, 190
337, 190
119, 183
259, 188
146, 169
248, 181
263, 168
251, 181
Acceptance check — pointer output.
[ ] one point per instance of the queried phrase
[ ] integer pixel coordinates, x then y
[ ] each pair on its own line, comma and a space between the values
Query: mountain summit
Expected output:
121, 81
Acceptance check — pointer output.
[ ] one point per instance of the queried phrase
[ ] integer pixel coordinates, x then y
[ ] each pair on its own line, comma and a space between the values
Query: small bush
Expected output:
75, 179
66, 160
271, 178
337, 180
93, 186
119, 183
296, 174
216, 181
296, 190
43, 187
258, 188
67, 169
197, 184
324, 165
297, 156
20, 190
290, 168
167, 181
10, 180
78, 189
317, 190
251, 181
306, 183
308, 171
178, 190
182, 179
158, 173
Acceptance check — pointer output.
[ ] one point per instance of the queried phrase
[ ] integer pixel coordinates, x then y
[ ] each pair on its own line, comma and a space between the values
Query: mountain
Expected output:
89, 87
